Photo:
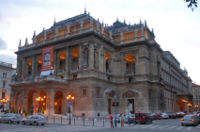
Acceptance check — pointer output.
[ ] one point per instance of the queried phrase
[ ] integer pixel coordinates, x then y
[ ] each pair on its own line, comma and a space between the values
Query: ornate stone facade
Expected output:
98, 64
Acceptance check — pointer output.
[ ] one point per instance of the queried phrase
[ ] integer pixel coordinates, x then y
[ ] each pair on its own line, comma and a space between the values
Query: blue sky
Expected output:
176, 27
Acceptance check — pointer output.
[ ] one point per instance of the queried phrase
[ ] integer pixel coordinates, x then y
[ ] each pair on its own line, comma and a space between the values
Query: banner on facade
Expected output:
47, 61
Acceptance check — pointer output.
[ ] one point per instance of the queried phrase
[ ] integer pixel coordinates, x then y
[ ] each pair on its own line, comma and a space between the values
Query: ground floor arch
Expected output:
58, 100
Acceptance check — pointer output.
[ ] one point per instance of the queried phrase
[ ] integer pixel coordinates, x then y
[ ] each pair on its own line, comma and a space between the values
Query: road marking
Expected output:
172, 127
178, 128
154, 126
188, 128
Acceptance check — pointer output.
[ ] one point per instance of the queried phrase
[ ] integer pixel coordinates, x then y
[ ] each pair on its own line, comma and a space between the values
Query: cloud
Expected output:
8, 58
3, 45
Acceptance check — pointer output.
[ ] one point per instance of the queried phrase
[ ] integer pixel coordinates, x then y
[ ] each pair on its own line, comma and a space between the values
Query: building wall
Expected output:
99, 70
6, 72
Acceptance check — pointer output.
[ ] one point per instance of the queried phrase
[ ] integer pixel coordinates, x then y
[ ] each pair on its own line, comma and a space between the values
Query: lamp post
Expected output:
70, 98
4, 101
41, 100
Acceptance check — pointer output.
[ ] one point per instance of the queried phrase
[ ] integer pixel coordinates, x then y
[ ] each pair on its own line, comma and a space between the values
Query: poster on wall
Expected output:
47, 61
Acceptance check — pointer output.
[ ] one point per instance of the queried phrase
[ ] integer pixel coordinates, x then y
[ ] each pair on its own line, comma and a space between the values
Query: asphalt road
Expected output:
169, 125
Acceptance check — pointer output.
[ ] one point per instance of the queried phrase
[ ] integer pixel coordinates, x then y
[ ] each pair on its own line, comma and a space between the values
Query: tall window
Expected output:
3, 95
4, 74
130, 63
62, 58
39, 64
107, 58
4, 84
75, 59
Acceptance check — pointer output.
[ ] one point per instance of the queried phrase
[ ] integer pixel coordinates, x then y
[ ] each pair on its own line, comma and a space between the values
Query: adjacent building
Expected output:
196, 96
83, 66
6, 72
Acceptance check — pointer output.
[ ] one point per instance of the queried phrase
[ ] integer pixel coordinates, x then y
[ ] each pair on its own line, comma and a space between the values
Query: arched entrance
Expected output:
130, 97
30, 106
109, 93
42, 102
58, 102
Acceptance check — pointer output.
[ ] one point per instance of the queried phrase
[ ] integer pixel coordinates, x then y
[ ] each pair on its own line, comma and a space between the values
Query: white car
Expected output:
164, 116
34, 120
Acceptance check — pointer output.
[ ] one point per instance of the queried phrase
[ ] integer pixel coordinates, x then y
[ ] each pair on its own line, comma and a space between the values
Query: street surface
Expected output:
169, 125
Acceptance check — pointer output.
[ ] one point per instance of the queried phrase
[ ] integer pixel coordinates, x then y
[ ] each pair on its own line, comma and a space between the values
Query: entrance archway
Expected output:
42, 102
109, 93
130, 97
58, 102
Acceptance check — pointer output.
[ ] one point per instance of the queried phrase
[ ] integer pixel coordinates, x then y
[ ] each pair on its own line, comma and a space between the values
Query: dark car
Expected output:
11, 118
153, 116
34, 120
158, 116
143, 118
129, 118
172, 115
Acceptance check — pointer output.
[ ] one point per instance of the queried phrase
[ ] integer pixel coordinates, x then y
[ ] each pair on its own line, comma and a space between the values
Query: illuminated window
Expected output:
62, 57
75, 53
107, 58
130, 64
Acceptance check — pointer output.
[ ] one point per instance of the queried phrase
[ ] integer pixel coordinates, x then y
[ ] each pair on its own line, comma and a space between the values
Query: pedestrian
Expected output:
122, 120
111, 121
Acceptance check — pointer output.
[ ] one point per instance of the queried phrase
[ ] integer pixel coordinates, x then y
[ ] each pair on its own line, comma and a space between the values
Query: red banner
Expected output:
47, 58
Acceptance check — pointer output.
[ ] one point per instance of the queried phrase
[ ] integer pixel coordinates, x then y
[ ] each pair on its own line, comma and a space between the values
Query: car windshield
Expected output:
188, 117
9, 115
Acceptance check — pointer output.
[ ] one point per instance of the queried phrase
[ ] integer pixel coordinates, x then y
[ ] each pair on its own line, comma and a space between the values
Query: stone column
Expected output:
34, 67
67, 63
91, 56
91, 24
121, 37
24, 68
45, 35
135, 32
81, 25
50, 101
142, 33
55, 62
56, 33
68, 30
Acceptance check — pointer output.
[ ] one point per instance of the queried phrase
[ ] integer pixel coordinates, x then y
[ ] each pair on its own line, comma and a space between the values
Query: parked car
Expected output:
143, 118
129, 118
158, 116
11, 118
153, 116
172, 115
180, 114
190, 120
164, 116
34, 120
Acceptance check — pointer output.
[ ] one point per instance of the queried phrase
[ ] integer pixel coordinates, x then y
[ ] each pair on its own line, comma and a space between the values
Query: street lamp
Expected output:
70, 98
41, 100
4, 101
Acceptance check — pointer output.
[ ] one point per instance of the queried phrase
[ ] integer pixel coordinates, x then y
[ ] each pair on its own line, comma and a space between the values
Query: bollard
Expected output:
61, 120
47, 119
103, 122
93, 122
83, 121
74, 121
54, 120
